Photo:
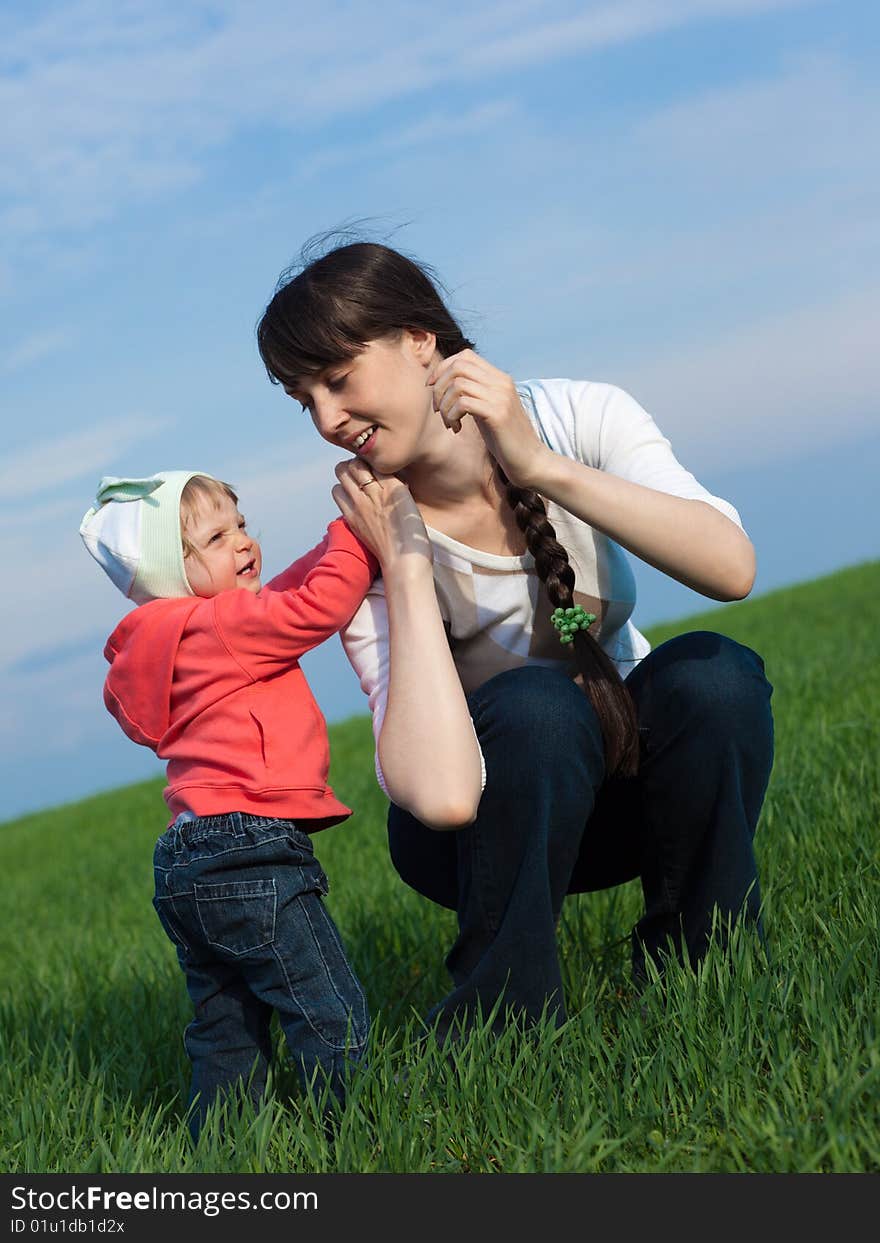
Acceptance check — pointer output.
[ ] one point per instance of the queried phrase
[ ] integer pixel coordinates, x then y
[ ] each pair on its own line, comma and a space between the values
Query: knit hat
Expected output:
133, 532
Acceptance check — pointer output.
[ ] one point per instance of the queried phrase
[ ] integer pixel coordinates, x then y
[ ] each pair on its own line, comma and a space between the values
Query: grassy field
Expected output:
746, 1069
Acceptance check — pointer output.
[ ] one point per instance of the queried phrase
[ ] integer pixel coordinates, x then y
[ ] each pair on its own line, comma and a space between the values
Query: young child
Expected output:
205, 671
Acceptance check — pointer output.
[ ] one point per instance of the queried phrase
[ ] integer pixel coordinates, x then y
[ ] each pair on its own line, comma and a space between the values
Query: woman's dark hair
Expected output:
325, 312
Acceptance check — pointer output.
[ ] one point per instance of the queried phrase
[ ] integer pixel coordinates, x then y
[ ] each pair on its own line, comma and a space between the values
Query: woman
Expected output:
566, 755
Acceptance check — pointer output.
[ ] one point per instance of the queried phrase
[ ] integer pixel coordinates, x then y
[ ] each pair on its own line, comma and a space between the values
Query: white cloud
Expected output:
732, 179
811, 119
61, 595
111, 101
34, 349
77, 722
434, 127
52, 513
774, 390
44, 465
604, 25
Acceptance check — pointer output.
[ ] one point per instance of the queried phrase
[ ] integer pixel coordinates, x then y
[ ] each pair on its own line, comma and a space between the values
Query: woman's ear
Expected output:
421, 343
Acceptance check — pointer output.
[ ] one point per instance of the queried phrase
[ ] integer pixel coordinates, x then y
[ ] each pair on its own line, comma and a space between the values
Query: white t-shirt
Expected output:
496, 609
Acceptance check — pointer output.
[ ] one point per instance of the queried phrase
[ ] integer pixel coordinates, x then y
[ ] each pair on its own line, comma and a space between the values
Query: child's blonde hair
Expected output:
197, 492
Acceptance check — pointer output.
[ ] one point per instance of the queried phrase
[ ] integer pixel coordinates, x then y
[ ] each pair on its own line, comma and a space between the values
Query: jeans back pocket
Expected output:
238, 916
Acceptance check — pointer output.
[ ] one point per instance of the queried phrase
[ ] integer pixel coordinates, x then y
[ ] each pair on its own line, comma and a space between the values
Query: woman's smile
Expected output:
364, 442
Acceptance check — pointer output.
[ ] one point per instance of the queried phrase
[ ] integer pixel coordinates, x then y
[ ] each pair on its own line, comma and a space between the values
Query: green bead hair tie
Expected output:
569, 621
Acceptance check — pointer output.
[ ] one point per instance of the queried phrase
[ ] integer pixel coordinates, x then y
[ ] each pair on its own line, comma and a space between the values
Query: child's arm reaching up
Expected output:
300, 608
295, 574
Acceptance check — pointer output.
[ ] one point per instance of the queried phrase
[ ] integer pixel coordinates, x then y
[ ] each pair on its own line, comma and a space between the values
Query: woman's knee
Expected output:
536, 715
713, 675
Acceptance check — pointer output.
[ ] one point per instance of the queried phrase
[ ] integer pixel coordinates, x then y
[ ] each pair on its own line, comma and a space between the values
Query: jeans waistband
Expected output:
237, 828
229, 819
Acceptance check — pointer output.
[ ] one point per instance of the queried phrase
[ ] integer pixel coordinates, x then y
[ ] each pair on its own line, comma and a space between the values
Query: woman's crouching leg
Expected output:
510, 869
707, 735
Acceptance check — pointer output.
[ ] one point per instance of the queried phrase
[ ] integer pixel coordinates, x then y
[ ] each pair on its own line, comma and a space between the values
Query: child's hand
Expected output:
381, 512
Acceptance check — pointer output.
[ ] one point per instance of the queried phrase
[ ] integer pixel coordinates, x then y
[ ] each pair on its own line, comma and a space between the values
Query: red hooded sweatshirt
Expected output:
214, 687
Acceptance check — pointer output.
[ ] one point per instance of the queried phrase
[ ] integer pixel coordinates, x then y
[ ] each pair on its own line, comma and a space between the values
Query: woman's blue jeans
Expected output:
241, 897
550, 824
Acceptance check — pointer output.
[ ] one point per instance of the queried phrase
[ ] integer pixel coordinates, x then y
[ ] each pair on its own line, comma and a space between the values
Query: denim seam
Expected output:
250, 949
178, 923
305, 1013
231, 850
328, 924
255, 888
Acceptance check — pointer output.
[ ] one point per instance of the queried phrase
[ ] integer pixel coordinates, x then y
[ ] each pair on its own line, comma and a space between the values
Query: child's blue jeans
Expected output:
241, 898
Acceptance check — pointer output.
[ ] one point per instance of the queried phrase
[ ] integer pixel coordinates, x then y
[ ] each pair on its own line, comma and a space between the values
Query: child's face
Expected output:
227, 556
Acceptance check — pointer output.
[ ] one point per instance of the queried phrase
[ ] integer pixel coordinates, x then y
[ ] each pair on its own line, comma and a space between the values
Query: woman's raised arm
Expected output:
427, 748
685, 538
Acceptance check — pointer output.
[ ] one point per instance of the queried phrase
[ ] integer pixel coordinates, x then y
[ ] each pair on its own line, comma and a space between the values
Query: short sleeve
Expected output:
631, 445
604, 427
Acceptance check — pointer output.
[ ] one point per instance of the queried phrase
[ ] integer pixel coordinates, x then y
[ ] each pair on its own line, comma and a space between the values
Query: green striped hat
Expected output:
133, 532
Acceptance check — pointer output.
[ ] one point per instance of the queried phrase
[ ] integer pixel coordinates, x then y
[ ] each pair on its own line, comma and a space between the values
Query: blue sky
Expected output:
680, 198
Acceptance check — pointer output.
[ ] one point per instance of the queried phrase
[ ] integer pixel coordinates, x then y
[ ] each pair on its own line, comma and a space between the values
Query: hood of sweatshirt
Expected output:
142, 651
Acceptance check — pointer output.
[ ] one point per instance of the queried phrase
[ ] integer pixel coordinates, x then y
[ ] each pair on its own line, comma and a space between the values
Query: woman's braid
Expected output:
603, 684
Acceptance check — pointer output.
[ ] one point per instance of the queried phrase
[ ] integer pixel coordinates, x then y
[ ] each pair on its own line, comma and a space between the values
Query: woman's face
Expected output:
377, 404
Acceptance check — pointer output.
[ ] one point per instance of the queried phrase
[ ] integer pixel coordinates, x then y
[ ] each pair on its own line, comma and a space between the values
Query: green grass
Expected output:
733, 1069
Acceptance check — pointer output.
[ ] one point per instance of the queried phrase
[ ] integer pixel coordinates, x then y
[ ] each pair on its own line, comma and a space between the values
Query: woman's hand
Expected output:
381, 511
465, 384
